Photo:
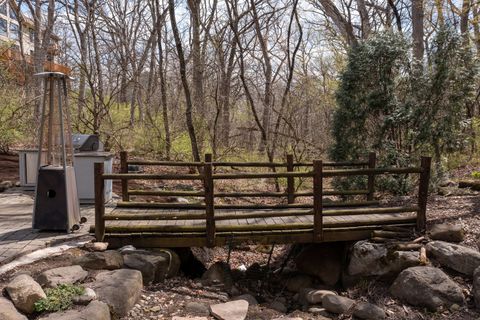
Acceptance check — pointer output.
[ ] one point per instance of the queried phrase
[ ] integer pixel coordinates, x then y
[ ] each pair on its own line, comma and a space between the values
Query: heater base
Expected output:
56, 201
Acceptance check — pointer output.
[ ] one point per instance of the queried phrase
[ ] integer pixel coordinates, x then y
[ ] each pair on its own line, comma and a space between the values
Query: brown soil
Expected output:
9, 167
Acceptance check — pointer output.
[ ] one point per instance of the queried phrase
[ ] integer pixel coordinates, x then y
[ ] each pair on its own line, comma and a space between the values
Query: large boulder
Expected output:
219, 274
427, 287
233, 310
120, 289
24, 292
337, 304
322, 260
373, 259
154, 266
95, 310
447, 232
8, 311
459, 258
62, 275
108, 260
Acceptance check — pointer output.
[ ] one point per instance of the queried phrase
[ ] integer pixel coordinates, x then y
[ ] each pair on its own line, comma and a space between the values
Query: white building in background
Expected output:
10, 28
10, 40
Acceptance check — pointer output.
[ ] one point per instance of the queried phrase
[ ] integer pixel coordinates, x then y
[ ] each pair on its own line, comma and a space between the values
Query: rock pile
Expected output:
114, 279
116, 288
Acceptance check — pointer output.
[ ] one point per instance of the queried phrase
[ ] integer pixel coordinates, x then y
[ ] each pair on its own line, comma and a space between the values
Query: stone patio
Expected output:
16, 234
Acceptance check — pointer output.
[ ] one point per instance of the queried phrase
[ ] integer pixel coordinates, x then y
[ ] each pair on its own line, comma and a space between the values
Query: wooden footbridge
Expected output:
209, 223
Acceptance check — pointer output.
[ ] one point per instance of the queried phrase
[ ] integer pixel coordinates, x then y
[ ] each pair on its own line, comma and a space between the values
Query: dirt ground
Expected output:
9, 167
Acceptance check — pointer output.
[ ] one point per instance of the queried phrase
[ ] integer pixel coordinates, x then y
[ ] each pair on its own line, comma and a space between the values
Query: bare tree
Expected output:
186, 86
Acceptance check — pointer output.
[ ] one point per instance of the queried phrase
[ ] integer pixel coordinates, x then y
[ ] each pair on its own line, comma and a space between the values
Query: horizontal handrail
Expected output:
142, 176
170, 205
362, 211
166, 193
367, 171
333, 164
165, 163
285, 194
243, 164
228, 176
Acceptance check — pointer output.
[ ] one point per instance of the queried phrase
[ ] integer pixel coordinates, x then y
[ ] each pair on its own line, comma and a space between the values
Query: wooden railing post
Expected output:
290, 180
372, 161
124, 169
423, 193
209, 200
99, 201
317, 200
208, 157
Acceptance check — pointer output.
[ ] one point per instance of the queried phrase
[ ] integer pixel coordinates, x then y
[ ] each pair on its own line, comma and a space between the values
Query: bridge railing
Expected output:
289, 165
207, 177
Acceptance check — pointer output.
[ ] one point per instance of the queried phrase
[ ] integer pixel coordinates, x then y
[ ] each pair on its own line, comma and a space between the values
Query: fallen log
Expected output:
390, 234
472, 184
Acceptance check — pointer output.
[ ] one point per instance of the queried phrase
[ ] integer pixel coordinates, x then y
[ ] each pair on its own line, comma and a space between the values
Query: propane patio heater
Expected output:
56, 200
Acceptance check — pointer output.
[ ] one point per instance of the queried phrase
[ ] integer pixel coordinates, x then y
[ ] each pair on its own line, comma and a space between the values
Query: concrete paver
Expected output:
16, 234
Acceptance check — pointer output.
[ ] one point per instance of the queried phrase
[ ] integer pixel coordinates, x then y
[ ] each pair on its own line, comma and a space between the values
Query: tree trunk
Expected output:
183, 75
464, 21
417, 30
267, 94
197, 71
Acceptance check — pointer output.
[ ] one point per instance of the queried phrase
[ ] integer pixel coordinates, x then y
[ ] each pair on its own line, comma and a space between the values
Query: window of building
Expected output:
3, 8
13, 15
3, 27
14, 31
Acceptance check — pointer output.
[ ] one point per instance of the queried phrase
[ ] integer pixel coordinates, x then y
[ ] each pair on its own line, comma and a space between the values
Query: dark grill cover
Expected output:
86, 142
